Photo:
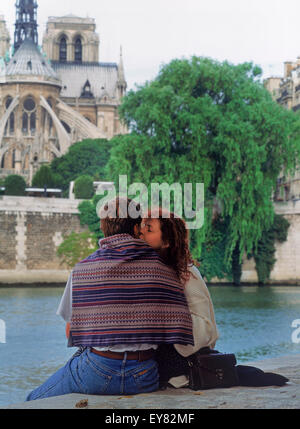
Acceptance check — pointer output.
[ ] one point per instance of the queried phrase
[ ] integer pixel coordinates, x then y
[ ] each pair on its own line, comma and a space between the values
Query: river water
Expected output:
254, 323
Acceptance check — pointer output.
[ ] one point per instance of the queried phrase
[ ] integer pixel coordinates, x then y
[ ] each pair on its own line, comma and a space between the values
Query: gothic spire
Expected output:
121, 83
26, 22
121, 73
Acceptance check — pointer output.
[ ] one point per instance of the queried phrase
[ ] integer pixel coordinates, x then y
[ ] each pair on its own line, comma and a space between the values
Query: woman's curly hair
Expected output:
177, 254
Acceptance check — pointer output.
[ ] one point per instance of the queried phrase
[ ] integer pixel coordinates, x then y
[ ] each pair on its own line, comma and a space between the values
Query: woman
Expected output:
169, 236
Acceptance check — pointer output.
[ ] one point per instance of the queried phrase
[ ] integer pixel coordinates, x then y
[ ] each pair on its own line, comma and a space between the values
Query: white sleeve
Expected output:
198, 298
65, 307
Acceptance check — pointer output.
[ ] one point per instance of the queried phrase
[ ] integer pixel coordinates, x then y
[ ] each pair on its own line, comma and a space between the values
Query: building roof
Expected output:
102, 77
29, 62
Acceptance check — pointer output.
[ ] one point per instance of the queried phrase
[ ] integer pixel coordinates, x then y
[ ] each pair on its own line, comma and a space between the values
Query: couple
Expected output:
139, 290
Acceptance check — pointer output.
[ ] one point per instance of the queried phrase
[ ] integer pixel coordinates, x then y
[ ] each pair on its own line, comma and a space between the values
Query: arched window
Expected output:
78, 50
66, 126
25, 123
29, 116
32, 123
8, 102
63, 49
87, 90
3, 161
10, 124
13, 159
23, 34
50, 118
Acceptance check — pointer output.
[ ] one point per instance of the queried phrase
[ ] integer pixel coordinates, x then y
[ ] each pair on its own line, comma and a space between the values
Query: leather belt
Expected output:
138, 355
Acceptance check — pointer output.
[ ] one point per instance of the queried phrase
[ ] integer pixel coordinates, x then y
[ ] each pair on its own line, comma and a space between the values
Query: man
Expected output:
121, 302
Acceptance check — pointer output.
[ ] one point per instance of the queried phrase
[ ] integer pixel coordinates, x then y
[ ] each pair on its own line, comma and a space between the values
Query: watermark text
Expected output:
296, 332
188, 201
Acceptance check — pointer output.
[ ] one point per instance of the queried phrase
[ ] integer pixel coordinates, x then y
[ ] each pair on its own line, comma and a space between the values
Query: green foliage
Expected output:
87, 157
202, 121
15, 185
76, 247
44, 177
83, 187
236, 265
88, 216
1, 185
264, 254
212, 262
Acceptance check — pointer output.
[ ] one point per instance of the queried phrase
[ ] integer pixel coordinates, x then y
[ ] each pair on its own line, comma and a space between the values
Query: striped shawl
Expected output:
124, 294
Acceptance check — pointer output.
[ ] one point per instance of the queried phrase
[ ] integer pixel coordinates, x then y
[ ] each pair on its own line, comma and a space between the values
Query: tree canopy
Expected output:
83, 187
203, 121
15, 185
44, 177
87, 157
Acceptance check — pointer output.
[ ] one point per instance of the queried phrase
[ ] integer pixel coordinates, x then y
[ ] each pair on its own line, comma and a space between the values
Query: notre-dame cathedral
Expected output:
54, 96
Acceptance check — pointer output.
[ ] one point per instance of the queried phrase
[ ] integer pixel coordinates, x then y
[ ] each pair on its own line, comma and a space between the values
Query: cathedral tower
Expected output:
4, 37
26, 22
52, 99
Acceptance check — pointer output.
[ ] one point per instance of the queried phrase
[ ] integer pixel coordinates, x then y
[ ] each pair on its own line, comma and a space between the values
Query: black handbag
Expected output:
208, 369
205, 369
211, 369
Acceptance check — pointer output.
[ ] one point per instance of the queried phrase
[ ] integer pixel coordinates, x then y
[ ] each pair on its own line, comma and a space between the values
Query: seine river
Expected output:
254, 323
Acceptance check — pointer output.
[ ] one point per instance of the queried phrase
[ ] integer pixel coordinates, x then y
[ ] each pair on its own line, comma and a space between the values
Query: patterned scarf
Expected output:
124, 294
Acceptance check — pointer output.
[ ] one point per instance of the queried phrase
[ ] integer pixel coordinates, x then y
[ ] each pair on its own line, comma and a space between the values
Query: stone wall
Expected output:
31, 229
8, 241
287, 266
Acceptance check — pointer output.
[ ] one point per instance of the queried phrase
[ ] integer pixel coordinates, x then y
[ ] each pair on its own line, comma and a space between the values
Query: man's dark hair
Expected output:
121, 225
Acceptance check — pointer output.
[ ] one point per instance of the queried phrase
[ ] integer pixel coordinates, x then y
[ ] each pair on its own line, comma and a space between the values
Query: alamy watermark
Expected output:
2, 331
160, 196
296, 332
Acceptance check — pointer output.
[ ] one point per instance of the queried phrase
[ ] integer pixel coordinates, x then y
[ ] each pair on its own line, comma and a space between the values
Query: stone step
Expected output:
285, 397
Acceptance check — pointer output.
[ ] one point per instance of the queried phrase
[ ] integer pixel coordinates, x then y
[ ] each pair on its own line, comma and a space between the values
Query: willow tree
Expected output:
202, 121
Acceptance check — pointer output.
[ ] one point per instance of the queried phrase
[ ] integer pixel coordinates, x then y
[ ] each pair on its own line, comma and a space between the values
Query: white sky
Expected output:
151, 33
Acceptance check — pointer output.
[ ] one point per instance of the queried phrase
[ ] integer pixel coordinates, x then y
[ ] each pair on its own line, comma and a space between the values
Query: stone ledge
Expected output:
44, 206
30, 278
285, 397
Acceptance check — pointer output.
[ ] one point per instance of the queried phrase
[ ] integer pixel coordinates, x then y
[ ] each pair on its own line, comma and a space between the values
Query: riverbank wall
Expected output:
287, 267
31, 230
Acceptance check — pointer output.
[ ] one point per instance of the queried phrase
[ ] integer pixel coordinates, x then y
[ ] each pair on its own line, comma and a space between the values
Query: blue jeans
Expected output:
89, 373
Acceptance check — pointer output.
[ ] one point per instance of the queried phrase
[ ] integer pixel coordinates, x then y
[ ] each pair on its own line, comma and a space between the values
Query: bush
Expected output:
88, 157
83, 187
264, 255
88, 216
77, 247
44, 177
15, 185
1, 185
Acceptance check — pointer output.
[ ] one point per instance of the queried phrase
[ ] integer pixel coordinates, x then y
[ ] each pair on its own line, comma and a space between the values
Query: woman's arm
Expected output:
65, 307
201, 308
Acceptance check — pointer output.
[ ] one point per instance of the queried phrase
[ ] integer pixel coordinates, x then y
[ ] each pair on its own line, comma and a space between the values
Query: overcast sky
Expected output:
154, 32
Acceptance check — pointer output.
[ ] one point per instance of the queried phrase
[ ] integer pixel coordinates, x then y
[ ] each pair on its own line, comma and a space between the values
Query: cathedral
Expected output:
55, 95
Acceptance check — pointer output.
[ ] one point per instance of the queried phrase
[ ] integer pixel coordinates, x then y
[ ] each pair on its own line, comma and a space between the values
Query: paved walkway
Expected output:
285, 397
